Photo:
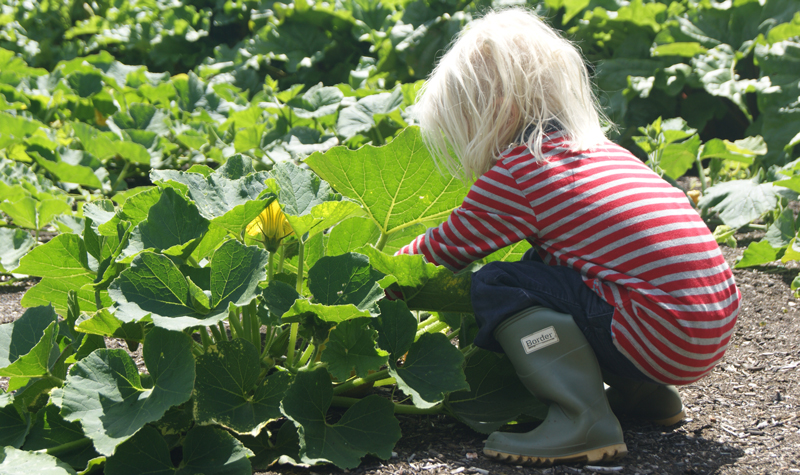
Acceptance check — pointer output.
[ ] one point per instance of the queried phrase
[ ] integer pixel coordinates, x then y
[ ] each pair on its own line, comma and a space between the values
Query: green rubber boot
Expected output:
652, 402
556, 364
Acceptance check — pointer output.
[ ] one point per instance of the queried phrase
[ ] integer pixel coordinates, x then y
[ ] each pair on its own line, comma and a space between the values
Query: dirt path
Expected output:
742, 418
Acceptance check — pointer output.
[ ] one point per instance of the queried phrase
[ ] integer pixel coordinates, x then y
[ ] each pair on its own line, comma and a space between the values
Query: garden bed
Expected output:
742, 418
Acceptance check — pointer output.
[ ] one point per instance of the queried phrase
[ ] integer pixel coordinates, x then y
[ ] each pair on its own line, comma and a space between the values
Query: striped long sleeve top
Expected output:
635, 239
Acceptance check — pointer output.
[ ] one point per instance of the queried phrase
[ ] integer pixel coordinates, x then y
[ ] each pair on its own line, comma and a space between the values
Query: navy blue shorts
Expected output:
502, 289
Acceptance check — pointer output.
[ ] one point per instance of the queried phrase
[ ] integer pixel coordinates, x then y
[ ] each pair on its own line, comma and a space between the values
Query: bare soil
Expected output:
742, 418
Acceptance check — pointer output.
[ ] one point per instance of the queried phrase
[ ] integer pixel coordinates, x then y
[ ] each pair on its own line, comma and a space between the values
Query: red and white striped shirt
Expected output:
635, 239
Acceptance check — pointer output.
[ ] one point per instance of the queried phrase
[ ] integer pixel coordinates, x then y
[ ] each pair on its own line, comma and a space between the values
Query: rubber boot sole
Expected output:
604, 454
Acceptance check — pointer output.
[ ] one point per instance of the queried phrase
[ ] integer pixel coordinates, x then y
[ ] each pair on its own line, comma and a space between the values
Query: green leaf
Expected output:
104, 392
143, 117
309, 203
433, 368
69, 173
134, 210
14, 243
26, 344
677, 158
51, 430
279, 297
22, 211
16, 128
317, 102
234, 183
495, 395
14, 423
190, 92
322, 217
236, 220
206, 450
228, 391
350, 235
329, 313
715, 70
511, 253
345, 279
367, 427
351, 347
398, 184
725, 150
104, 323
21, 462
249, 138
103, 148
285, 449
756, 254
38, 361
739, 202
360, 117
30, 213
100, 212
173, 226
686, 50
300, 45
236, 271
397, 327
425, 286
54, 291
792, 254
64, 256
155, 285
781, 232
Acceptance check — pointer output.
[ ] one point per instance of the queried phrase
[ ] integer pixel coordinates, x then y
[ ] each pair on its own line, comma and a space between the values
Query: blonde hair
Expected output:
506, 73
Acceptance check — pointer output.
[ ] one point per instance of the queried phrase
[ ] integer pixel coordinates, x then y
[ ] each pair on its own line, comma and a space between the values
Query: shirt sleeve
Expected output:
494, 214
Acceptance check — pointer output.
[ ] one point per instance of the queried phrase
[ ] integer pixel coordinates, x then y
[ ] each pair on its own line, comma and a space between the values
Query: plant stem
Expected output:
205, 338
435, 328
299, 288
215, 333
701, 174
382, 241
247, 334
97, 300
300, 258
427, 322
469, 350
292, 343
255, 324
67, 447
310, 349
356, 382
270, 337
282, 258
341, 401
197, 349
121, 177
236, 324
271, 266
224, 334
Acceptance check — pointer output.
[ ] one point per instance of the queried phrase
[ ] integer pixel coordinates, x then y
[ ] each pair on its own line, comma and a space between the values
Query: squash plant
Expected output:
258, 300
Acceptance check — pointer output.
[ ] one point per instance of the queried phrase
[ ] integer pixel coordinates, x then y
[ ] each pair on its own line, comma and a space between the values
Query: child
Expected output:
624, 281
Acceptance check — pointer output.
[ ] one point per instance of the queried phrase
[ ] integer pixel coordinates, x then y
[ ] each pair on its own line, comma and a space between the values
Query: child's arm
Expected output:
494, 214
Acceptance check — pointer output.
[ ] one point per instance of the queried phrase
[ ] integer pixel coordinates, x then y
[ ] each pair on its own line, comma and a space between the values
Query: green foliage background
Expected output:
144, 136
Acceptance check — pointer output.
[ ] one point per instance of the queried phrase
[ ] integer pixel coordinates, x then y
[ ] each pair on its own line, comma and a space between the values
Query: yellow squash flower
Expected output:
271, 225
